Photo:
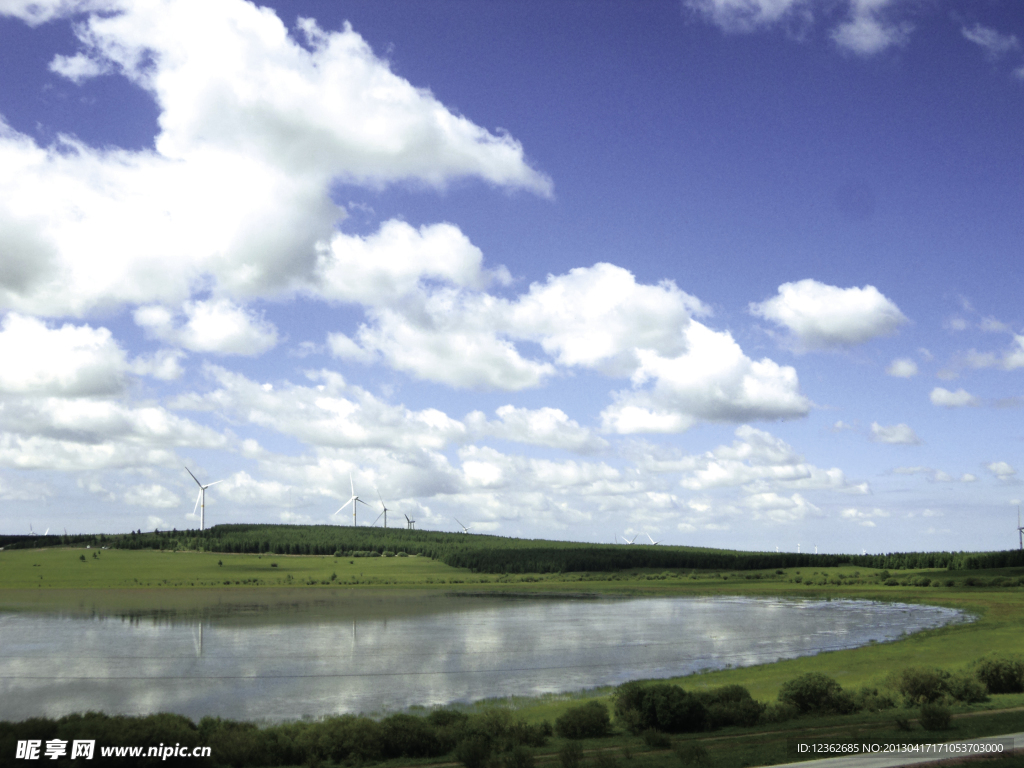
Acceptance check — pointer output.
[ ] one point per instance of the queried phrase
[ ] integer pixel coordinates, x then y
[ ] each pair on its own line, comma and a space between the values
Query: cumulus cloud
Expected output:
1001, 469
865, 517
712, 381
327, 413
549, 427
958, 399
236, 189
902, 367
152, 495
992, 41
870, 27
897, 434
219, 326
70, 360
823, 316
1008, 360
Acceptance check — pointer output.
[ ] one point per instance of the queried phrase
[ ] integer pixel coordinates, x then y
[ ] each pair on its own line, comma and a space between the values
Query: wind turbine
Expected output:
653, 542
354, 501
201, 498
465, 529
629, 541
1020, 529
410, 524
385, 512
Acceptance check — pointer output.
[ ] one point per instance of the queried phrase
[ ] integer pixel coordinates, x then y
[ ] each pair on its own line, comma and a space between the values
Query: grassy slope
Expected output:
999, 628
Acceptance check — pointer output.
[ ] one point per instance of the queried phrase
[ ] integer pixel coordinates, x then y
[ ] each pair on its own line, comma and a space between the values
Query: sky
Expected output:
726, 273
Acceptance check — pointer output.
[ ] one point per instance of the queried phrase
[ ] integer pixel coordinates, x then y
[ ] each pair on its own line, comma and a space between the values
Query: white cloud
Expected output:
152, 495
79, 67
1009, 360
958, 399
746, 15
70, 360
600, 317
218, 326
712, 381
864, 517
549, 427
870, 28
897, 434
823, 316
254, 128
1001, 469
164, 364
395, 261
994, 42
330, 413
902, 367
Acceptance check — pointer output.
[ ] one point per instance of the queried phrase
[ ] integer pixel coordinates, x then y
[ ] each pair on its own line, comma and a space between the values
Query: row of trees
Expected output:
498, 554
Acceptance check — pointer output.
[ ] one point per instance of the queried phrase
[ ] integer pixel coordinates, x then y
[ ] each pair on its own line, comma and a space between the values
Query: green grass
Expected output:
59, 576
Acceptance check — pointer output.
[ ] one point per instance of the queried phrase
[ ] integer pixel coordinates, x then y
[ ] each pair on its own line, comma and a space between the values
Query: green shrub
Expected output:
662, 706
918, 684
519, 757
584, 722
870, 700
692, 753
474, 751
731, 705
902, 722
655, 739
780, 712
934, 716
570, 755
408, 736
1001, 674
816, 693
966, 688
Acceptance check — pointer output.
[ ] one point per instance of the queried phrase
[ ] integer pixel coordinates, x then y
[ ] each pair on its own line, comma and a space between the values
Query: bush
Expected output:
1001, 674
655, 739
570, 755
966, 688
919, 685
519, 757
731, 705
408, 736
584, 722
474, 751
934, 716
626, 706
692, 753
671, 709
870, 700
779, 712
816, 693
902, 722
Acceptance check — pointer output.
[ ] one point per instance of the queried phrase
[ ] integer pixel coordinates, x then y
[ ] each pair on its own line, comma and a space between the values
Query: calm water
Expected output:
254, 660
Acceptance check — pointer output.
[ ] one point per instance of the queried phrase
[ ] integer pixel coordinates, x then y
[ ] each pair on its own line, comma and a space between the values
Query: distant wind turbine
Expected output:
465, 529
201, 499
384, 506
410, 524
354, 501
1020, 529
629, 541
652, 540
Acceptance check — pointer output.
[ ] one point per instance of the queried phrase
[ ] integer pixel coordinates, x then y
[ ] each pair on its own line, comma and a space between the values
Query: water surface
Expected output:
252, 658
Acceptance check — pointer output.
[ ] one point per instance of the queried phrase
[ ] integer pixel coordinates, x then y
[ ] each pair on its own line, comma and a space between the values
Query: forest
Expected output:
498, 554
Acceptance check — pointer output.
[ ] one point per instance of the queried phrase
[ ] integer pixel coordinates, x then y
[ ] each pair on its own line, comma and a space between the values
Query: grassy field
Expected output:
54, 577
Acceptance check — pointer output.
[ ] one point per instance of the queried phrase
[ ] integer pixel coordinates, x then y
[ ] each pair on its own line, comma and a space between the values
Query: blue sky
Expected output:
732, 273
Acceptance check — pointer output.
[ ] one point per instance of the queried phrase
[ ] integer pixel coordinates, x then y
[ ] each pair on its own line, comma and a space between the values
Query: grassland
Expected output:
59, 576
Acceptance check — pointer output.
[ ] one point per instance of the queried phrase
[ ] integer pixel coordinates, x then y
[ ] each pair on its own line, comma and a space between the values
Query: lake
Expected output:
260, 656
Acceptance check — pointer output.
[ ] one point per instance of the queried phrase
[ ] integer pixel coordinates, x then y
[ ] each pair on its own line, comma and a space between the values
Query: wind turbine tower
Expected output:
353, 500
1020, 530
201, 499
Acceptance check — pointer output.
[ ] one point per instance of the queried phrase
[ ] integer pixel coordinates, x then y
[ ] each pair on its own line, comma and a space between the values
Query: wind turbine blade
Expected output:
47, 533
352, 485
378, 518
345, 505
197, 499
194, 477
213, 483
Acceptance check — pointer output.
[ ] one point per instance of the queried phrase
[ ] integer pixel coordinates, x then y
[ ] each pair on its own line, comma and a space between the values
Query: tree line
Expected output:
500, 554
